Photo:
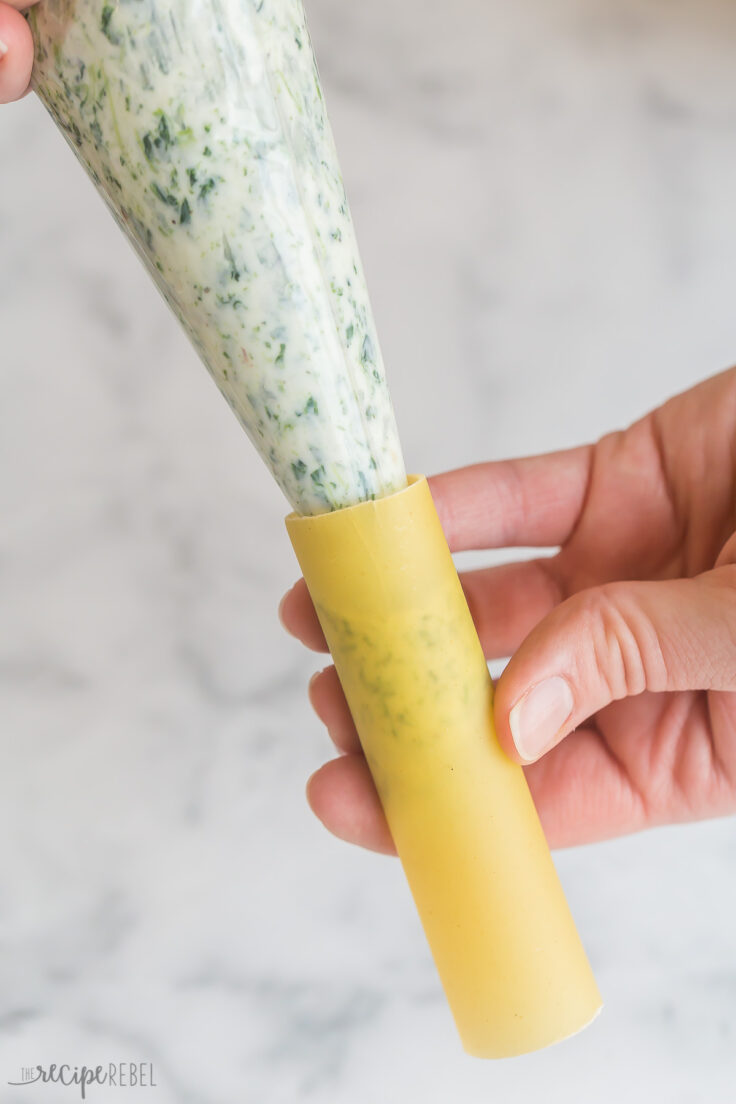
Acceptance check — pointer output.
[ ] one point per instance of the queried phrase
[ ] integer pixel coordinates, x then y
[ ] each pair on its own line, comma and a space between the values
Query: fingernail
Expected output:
312, 681
314, 678
280, 610
539, 715
3, 49
308, 787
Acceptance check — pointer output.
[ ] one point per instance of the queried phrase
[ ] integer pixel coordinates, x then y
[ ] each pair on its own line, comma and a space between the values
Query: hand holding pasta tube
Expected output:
632, 620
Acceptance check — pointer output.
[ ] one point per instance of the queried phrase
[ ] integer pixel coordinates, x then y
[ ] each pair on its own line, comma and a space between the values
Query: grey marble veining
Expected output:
544, 195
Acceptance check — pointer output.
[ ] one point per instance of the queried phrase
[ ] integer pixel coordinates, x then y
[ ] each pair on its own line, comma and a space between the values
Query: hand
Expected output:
620, 690
16, 50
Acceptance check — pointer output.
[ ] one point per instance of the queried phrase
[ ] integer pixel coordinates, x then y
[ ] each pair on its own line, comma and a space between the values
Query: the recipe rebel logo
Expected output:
116, 1075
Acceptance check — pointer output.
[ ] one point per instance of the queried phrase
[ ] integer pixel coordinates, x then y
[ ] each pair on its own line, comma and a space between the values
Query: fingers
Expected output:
534, 502
16, 53
507, 601
611, 642
328, 701
580, 793
342, 793
298, 616
531, 502
343, 796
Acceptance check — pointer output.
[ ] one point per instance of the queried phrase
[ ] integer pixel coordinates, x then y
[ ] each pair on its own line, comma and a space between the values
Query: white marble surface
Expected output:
544, 193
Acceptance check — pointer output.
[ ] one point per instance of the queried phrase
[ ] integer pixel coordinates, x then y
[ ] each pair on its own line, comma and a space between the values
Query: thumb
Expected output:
16, 54
613, 641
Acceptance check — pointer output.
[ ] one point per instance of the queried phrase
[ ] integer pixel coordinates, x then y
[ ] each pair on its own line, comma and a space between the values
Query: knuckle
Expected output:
623, 643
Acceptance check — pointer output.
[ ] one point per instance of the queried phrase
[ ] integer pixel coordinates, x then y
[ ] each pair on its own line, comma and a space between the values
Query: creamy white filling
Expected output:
204, 126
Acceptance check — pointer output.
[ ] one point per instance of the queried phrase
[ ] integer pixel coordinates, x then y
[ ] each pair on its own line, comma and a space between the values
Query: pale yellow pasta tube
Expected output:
395, 617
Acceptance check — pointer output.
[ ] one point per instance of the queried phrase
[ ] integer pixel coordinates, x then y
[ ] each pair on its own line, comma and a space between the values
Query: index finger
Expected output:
534, 501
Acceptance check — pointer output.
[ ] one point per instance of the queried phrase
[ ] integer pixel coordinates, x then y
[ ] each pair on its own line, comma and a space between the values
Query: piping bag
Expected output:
204, 128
